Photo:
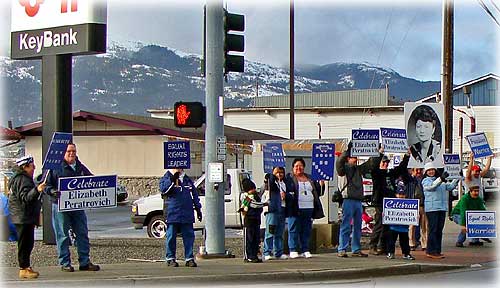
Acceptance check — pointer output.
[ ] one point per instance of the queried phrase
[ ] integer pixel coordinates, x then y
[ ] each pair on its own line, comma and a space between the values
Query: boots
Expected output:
28, 273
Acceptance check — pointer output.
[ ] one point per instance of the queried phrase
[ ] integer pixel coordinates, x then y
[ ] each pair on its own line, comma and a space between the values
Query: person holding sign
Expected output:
398, 231
24, 206
275, 217
474, 174
75, 220
435, 206
352, 193
180, 199
470, 201
302, 207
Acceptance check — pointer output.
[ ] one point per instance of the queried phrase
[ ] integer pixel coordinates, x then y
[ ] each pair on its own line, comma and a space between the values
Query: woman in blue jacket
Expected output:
435, 207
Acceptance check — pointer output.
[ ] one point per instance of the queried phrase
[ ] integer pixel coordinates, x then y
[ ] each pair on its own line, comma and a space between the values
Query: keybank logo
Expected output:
31, 9
47, 39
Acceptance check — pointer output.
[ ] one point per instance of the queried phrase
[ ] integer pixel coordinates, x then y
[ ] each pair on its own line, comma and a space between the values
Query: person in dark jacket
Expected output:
383, 187
180, 199
75, 220
303, 205
251, 208
275, 217
24, 206
347, 165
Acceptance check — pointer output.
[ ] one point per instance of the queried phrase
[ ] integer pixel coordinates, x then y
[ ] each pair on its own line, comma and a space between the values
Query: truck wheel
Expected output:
157, 227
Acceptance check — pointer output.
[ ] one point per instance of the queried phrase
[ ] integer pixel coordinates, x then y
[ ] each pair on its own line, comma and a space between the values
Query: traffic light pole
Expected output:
214, 199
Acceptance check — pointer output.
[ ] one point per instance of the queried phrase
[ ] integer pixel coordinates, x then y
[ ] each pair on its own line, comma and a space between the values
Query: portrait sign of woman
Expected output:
425, 134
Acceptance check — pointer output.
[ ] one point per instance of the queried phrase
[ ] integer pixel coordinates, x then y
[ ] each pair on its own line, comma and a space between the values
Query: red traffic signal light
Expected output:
189, 114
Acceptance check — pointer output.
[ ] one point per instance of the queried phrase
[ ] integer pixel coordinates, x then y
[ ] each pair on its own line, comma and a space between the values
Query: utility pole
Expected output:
214, 199
447, 73
292, 74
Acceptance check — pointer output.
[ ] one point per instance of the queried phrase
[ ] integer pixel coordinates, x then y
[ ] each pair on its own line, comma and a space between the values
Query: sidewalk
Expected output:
326, 266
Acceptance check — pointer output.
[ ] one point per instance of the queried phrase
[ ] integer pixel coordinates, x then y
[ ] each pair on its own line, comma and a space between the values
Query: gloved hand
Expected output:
461, 173
199, 216
175, 177
56, 193
444, 176
349, 146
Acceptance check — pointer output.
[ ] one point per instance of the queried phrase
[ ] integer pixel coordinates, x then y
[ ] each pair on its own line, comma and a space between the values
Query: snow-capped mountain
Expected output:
134, 77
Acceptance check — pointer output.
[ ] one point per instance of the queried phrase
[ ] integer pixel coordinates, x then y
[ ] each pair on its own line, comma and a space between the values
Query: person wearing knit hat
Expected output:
181, 197
436, 196
470, 201
24, 207
251, 209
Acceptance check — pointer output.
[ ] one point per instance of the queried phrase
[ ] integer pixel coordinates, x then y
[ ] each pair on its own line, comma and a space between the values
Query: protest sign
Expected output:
400, 211
56, 151
394, 140
323, 160
480, 224
273, 156
87, 192
479, 145
365, 142
452, 165
176, 155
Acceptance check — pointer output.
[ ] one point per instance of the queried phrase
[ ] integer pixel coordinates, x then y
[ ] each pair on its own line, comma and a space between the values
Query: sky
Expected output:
401, 35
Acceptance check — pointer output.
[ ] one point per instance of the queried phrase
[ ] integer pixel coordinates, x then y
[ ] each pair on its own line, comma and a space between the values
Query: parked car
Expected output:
121, 193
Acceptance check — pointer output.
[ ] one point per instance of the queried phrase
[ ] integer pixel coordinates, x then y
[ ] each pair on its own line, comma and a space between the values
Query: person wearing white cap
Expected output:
435, 207
24, 206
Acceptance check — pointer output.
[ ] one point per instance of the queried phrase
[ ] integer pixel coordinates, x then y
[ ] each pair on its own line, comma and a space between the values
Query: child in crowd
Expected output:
251, 209
400, 231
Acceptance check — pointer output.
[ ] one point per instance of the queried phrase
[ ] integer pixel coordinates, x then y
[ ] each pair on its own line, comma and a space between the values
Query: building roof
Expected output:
9, 134
149, 126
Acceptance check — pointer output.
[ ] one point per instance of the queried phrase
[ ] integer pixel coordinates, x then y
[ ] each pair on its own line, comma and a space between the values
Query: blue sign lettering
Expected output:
176, 154
56, 151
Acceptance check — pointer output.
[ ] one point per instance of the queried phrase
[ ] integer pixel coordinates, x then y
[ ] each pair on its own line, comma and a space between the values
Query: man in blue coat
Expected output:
180, 199
74, 220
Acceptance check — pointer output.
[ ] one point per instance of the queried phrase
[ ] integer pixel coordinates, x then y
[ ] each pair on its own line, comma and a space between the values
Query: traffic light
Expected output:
233, 42
189, 114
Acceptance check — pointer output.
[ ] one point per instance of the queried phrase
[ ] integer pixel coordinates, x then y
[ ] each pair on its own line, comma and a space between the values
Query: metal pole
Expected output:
214, 199
461, 151
56, 115
447, 73
292, 74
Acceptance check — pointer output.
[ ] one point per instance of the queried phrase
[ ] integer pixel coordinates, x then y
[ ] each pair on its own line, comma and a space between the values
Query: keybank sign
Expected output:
51, 27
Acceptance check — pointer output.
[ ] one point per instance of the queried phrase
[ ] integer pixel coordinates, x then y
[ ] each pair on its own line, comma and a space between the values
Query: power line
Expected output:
382, 47
488, 11
495, 5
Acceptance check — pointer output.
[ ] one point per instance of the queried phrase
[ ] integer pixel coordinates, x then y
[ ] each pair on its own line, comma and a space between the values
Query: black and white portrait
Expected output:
425, 133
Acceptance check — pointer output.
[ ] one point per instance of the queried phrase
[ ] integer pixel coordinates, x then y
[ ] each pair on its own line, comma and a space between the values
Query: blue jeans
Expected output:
187, 231
462, 235
299, 229
77, 221
436, 224
351, 211
274, 240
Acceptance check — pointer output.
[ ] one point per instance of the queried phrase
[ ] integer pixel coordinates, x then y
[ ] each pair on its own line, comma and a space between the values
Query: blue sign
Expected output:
176, 154
323, 161
365, 142
273, 156
479, 145
480, 224
87, 192
394, 140
452, 165
400, 211
56, 151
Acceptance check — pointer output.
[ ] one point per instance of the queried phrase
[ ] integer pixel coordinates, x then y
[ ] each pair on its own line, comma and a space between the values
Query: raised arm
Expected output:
487, 167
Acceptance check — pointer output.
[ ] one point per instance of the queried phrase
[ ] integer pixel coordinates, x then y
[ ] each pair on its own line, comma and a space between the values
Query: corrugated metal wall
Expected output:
350, 98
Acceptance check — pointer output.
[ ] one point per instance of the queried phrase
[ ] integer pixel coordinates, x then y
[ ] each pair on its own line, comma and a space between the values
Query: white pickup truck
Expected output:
148, 211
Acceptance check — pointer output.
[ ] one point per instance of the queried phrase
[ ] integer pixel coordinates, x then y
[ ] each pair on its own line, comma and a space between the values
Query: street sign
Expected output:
56, 151
215, 172
221, 148
176, 155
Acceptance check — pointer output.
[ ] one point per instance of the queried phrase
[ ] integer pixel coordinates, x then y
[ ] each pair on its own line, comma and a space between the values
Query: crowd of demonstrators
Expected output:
470, 201
347, 165
436, 194
24, 206
74, 220
384, 186
180, 201
251, 209
276, 214
303, 205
